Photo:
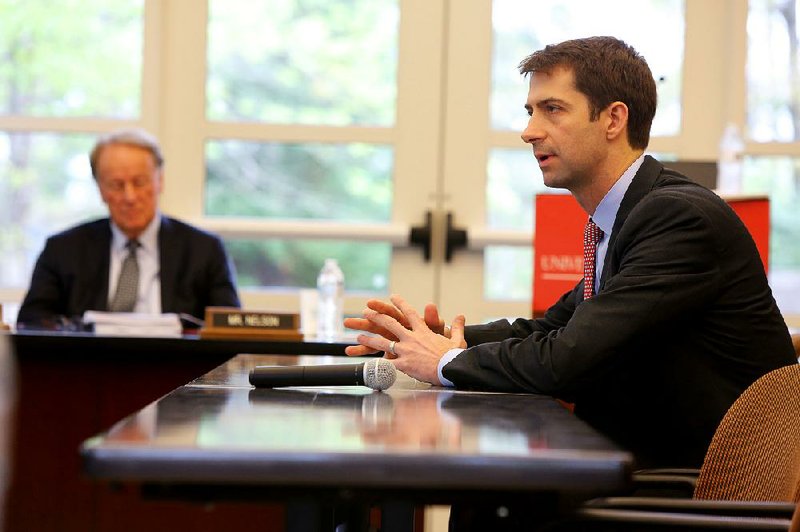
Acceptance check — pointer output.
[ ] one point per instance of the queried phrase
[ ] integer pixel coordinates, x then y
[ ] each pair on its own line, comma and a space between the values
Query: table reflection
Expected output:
374, 419
353, 419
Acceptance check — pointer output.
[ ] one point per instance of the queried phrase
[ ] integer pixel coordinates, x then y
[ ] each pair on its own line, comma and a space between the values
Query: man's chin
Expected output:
132, 230
553, 182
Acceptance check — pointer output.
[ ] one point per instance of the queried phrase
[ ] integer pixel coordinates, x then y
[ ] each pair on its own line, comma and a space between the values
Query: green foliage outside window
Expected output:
292, 263
345, 183
65, 58
317, 62
305, 62
60, 58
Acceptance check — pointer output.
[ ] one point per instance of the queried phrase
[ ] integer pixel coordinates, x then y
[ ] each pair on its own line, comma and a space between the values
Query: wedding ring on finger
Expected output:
391, 348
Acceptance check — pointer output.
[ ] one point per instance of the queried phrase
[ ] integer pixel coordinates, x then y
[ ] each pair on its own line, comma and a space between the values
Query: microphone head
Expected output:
379, 373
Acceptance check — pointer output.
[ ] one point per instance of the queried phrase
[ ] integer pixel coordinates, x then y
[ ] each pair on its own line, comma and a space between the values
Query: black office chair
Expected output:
749, 480
724, 515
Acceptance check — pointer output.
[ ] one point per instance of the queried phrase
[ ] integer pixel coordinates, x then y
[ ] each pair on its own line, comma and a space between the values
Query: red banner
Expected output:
558, 244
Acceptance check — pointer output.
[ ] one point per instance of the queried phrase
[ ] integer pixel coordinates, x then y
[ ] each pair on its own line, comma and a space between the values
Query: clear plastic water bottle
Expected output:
729, 165
330, 301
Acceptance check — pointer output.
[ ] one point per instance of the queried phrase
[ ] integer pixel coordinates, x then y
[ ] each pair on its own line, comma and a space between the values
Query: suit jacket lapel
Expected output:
167, 253
100, 247
642, 183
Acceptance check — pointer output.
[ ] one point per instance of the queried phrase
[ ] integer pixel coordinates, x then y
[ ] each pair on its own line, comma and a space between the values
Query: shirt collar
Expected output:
148, 240
606, 211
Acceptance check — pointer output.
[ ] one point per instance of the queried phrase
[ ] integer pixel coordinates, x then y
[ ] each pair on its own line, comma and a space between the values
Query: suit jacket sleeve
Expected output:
668, 267
196, 271
222, 284
70, 275
45, 297
556, 317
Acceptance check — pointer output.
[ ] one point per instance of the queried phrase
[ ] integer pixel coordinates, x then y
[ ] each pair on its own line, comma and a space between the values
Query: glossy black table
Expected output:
70, 386
88, 344
217, 437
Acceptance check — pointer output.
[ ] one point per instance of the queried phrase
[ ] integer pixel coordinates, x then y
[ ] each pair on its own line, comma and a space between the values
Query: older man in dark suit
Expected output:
137, 260
674, 317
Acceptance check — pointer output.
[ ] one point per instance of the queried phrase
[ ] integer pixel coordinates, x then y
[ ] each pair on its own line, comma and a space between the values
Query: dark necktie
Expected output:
128, 283
591, 236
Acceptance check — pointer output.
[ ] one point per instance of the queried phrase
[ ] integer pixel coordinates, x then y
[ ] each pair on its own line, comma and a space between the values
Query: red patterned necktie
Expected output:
591, 236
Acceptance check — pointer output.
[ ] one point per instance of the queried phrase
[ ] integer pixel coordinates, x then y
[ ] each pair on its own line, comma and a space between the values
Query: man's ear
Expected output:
618, 123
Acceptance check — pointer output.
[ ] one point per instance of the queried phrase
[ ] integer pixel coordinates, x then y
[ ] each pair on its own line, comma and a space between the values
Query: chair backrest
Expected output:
755, 452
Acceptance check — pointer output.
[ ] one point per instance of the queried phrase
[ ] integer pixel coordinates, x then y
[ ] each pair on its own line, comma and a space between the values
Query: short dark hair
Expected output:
606, 70
129, 137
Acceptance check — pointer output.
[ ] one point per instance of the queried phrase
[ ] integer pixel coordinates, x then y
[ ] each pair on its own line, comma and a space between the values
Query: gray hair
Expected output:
129, 137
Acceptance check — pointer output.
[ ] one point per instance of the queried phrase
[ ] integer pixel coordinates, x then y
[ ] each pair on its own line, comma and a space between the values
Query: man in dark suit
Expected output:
672, 324
179, 268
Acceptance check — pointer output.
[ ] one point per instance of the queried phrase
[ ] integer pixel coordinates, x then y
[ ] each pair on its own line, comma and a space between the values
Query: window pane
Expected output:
71, 58
780, 178
296, 263
350, 182
514, 178
523, 27
509, 272
773, 71
46, 185
321, 62
513, 181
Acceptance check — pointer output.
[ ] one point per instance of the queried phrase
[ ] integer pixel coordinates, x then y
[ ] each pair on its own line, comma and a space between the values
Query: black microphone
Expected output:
377, 373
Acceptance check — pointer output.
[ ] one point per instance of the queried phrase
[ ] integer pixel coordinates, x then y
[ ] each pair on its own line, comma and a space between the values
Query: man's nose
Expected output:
532, 131
129, 191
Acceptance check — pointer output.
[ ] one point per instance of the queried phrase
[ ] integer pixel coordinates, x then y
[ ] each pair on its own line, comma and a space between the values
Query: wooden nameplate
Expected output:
235, 323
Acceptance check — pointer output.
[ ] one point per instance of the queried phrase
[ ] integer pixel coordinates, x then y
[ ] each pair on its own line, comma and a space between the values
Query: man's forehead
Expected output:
557, 83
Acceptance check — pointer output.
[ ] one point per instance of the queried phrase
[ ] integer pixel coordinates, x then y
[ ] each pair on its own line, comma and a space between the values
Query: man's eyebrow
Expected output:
544, 102
552, 100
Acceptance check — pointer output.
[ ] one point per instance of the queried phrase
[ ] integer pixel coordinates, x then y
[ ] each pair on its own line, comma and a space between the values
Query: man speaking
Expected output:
674, 317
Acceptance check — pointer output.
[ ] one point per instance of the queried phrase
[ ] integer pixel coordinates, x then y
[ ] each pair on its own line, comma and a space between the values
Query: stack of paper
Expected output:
132, 324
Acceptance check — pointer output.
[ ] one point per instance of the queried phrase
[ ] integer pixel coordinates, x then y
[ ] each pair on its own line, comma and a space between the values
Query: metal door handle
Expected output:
421, 236
454, 238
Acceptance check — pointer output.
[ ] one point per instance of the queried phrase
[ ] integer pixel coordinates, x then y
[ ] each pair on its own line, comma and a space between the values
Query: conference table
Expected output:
319, 449
73, 385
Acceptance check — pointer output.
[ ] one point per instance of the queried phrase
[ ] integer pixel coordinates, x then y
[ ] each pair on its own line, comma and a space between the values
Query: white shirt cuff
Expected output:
450, 355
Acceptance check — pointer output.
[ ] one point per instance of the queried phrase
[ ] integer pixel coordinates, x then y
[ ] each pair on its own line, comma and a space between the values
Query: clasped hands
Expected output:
415, 345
